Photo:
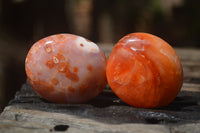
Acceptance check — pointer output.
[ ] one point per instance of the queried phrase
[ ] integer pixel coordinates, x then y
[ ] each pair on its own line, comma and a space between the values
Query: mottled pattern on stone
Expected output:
66, 68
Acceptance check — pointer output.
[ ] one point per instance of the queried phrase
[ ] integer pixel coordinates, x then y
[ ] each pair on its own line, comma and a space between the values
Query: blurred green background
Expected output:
23, 22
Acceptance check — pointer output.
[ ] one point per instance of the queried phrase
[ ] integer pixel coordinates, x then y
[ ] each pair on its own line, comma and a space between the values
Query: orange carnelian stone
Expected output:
66, 68
144, 71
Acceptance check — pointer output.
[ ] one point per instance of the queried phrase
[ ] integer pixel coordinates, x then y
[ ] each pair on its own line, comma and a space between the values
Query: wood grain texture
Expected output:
28, 112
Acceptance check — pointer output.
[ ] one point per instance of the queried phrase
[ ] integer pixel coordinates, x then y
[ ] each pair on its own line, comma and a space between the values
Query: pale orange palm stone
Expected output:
66, 68
144, 71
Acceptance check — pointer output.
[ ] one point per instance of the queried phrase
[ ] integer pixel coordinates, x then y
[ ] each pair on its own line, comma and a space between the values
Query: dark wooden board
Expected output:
28, 112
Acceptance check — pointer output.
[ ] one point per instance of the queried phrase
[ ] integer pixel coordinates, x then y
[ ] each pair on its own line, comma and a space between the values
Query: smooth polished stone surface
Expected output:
144, 71
66, 68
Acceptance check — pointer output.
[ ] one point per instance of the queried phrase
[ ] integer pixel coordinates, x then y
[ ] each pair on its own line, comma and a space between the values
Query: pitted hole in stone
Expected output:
55, 60
82, 45
61, 128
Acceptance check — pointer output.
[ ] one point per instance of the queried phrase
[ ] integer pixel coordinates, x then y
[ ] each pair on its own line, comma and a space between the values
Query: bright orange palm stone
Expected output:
144, 71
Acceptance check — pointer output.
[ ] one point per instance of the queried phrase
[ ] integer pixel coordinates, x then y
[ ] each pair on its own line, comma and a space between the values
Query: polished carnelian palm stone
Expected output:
144, 71
66, 68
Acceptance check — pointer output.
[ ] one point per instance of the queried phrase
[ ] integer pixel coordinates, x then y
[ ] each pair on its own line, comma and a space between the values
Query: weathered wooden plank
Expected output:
28, 112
